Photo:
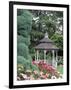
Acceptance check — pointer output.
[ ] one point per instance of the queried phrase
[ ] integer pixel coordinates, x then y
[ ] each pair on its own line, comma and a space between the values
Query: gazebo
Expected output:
46, 44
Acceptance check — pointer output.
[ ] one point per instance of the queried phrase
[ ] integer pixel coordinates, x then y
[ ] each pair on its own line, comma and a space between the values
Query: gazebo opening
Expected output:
46, 48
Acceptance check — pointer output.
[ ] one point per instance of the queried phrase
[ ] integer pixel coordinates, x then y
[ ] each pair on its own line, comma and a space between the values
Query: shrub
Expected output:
22, 50
24, 62
21, 39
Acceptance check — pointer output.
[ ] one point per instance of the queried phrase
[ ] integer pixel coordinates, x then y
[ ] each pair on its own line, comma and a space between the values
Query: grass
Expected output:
60, 68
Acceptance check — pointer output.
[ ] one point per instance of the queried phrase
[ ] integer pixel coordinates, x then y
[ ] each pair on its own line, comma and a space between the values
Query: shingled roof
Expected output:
46, 40
46, 44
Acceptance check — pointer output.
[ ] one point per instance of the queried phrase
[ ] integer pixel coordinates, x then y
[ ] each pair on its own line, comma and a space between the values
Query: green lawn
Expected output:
60, 69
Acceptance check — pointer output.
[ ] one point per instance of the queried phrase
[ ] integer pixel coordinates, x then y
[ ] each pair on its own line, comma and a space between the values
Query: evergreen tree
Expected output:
24, 23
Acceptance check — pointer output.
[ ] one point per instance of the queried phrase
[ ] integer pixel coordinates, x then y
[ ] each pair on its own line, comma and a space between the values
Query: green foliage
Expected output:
34, 67
32, 52
22, 50
60, 61
49, 21
36, 35
24, 62
23, 33
41, 55
20, 69
21, 39
58, 39
60, 69
19, 12
48, 56
27, 65
24, 21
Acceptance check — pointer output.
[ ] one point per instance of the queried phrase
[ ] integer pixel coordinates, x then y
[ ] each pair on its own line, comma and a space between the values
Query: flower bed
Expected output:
45, 72
47, 69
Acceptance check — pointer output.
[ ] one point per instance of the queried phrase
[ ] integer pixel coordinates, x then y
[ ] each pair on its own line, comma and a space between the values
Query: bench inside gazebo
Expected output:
47, 45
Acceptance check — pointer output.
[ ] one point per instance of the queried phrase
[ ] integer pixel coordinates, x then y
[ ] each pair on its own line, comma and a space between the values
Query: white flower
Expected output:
24, 75
53, 77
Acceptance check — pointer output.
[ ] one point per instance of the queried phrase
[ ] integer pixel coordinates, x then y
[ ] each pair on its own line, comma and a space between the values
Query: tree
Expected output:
50, 21
24, 23
58, 39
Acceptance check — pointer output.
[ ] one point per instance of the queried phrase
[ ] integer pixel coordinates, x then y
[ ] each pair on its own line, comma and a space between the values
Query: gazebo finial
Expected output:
46, 35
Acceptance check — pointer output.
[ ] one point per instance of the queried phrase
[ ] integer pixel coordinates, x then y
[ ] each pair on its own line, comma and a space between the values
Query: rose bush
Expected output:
46, 71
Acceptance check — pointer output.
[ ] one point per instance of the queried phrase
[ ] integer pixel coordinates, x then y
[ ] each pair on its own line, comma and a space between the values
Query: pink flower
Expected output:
43, 76
41, 73
35, 72
47, 75
44, 66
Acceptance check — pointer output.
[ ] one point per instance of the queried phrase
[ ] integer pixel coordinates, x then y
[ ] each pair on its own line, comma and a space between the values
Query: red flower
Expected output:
44, 66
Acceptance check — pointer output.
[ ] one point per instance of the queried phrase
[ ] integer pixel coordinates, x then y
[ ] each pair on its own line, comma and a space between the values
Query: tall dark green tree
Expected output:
24, 26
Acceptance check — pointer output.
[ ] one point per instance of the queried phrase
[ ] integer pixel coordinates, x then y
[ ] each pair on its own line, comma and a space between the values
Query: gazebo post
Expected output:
56, 58
53, 61
44, 55
37, 54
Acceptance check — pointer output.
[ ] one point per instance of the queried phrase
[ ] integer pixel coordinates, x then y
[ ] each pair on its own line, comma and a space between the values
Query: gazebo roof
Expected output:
46, 44
46, 40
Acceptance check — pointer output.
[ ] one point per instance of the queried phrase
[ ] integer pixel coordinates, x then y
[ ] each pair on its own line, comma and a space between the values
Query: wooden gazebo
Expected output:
47, 45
